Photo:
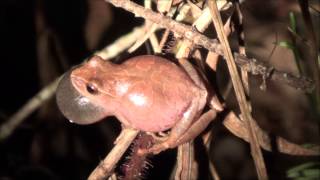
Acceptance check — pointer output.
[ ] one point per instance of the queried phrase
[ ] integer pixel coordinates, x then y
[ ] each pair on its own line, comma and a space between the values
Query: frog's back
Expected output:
160, 94
157, 70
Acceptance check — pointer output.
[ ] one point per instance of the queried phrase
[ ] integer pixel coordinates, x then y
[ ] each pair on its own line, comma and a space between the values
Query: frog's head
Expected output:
79, 94
75, 106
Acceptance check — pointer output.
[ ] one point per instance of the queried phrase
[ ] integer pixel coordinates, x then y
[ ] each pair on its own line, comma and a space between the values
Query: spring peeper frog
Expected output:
147, 93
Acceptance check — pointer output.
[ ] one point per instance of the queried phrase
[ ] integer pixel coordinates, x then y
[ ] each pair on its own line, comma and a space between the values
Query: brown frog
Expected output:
147, 93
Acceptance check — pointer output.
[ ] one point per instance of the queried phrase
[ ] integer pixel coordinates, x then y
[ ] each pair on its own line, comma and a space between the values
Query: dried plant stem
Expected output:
213, 171
47, 92
149, 30
237, 128
207, 140
211, 44
185, 157
163, 40
186, 164
186, 167
212, 60
105, 168
239, 91
256, 67
163, 21
122, 43
10, 125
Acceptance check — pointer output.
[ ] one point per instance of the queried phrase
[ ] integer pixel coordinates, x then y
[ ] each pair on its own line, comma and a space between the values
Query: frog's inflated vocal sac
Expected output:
148, 93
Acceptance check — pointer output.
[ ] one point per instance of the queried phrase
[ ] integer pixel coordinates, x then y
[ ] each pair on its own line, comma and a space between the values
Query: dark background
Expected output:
42, 39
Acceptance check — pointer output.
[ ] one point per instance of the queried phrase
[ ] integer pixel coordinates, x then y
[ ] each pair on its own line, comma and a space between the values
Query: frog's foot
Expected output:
155, 149
159, 137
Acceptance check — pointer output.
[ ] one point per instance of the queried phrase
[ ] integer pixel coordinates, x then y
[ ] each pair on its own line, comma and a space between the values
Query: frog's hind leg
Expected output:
177, 131
198, 126
192, 132
189, 123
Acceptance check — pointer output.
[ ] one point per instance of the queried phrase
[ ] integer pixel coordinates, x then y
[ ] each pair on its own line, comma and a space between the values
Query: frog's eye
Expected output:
92, 89
75, 106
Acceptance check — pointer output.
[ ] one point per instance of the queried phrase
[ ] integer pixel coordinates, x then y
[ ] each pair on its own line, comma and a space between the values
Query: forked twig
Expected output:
213, 45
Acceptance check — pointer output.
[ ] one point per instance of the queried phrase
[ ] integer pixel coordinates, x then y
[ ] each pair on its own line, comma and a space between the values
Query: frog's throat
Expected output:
74, 106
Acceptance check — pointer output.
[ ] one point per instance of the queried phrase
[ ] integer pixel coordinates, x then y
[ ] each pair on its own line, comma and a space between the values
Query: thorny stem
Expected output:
255, 67
105, 168
136, 164
163, 21
213, 45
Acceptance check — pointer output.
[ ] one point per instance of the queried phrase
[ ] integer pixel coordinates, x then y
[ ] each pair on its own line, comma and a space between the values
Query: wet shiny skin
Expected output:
149, 93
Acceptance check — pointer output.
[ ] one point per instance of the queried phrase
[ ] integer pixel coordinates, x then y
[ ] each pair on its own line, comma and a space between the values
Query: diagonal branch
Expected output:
47, 92
237, 128
239, 91
105, 168
213, 45
123, 43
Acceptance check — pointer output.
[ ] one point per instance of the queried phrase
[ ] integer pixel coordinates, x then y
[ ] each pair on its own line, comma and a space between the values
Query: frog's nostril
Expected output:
77, 81
74, 106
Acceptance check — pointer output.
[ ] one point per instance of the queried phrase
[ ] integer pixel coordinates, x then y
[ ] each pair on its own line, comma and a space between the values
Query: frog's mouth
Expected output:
74, 106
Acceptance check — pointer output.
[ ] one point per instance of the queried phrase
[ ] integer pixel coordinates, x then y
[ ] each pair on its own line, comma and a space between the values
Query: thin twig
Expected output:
10, 125
163, 40
256, 67
239, 91
122, 43
185, 158
163, 21
149, 30
186, 167
207, 139
213, 171
237, 128
47, 92
314, 50
212, 60
183, 170
105, 168
211, 44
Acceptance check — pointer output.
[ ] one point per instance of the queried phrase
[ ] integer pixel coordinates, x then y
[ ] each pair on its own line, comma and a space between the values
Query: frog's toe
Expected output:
159, 137
157, 148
